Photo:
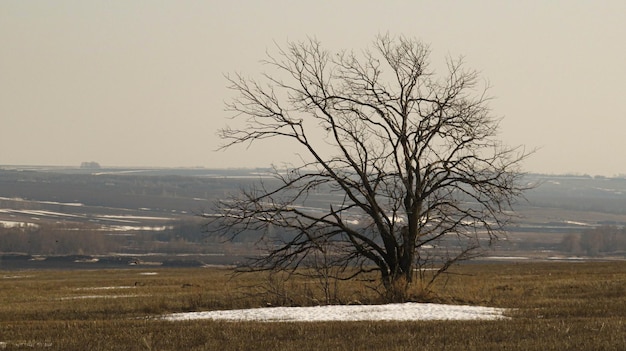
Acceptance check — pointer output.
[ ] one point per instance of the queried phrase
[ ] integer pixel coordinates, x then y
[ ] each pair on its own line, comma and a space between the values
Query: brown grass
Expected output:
556, 306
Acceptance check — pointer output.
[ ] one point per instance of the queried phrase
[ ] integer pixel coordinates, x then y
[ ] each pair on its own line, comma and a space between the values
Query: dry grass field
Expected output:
554, 306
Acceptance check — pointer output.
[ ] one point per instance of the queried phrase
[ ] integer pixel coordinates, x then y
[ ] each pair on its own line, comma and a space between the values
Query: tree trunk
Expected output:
398, 281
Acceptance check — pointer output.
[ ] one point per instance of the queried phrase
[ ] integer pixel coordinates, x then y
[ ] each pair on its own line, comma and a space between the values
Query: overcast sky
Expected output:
140, 83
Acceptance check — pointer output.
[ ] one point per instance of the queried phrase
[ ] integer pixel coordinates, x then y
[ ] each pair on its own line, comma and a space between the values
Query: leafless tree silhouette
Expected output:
418, 174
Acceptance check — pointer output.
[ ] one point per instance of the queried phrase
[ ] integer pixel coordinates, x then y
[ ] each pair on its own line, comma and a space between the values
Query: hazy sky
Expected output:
140, 83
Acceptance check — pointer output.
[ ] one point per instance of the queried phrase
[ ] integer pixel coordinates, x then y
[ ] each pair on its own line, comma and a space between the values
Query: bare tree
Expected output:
418, 174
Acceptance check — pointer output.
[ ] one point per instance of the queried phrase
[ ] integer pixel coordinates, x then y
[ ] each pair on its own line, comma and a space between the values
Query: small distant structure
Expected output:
90, 165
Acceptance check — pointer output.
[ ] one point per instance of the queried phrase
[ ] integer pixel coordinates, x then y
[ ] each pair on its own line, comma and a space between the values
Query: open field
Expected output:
554, 306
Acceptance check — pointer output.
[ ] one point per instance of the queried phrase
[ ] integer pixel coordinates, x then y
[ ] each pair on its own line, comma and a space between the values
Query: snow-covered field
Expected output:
388, 312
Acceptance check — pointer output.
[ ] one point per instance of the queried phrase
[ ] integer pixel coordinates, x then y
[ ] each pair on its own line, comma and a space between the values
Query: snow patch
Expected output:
136, 217
99, 297
14, 224
127, 228
75, 204
106, 287
16, 276
388, 312
507, 258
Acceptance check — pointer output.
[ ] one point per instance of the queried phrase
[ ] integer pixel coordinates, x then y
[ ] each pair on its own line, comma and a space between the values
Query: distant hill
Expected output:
156, 209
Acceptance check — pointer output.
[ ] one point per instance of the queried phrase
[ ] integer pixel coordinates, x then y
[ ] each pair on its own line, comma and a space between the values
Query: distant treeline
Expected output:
85, 239
191, 236
605, 240
57, 239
